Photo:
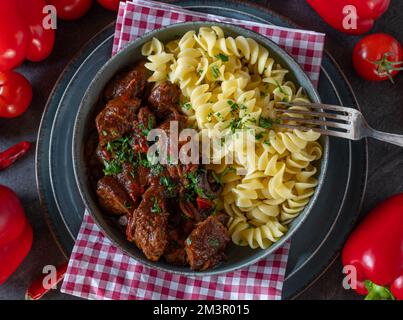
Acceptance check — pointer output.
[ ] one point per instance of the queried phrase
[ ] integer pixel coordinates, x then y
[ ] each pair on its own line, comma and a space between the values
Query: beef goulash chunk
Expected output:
206, 244
141, 126
130, 181
149, 228
129, 84
164, 97
102, 154
175, 250
113, 197
116, 119
146, 118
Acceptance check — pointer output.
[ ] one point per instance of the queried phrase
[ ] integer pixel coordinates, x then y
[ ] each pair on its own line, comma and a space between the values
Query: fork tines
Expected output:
323, 118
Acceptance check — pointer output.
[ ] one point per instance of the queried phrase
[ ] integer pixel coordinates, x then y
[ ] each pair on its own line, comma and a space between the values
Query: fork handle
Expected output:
393, 138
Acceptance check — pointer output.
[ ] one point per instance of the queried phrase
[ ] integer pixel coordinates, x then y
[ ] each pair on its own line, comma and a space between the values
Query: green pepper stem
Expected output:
376, 292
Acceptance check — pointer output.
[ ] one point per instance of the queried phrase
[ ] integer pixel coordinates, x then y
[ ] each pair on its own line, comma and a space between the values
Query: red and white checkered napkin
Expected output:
99, 270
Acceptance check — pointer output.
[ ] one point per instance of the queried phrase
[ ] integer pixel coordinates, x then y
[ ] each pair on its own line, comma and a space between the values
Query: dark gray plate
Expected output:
237, 257
314, 245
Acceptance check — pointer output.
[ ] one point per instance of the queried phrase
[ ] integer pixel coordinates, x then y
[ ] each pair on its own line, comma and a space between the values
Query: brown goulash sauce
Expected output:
169, 209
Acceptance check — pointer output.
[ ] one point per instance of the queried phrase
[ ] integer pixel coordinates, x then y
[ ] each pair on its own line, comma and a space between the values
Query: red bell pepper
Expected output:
22, 33
368, 11
375, 249
14, 36
203, 203
15, 233
40, 40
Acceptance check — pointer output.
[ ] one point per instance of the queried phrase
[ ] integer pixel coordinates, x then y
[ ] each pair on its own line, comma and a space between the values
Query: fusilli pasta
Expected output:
233, 84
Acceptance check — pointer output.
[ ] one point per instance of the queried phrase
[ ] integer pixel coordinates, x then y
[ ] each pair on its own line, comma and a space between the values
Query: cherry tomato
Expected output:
378, 57
41, 41
13, 36
15, 94
110, 4
71, 9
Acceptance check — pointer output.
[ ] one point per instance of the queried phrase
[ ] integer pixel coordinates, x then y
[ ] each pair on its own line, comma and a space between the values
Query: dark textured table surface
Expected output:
382, 105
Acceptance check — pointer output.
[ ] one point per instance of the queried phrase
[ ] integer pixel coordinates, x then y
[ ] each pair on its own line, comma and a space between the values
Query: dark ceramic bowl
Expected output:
238, 257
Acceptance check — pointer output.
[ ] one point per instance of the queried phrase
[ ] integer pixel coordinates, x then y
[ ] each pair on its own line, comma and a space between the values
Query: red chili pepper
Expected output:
203, 203
15, 233
37, 289
337, 13
375, 249
11, 155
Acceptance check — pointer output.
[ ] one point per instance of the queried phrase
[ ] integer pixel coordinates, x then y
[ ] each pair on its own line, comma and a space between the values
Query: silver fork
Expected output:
334, 121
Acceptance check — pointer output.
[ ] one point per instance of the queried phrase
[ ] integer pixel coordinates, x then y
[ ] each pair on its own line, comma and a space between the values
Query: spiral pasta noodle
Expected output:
233, 84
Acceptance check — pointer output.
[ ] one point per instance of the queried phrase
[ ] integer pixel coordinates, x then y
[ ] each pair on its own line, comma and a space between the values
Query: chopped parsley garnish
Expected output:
169, 160
252, 120
259, 136
267, 142
156, 169
121, 148
234, 106
121, 152
235, 124
150, 123
155, 208
213, 242
209, 116
215, 210
109, 147
216, 178
184, 217
267, 123
215, 72
222, 57
112, 167
189, 241
147, 130
200, 72
279, 86
169, 185
219, 116
193, 188
227, 170
142, 160
143, 129
187, 106
222, 140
